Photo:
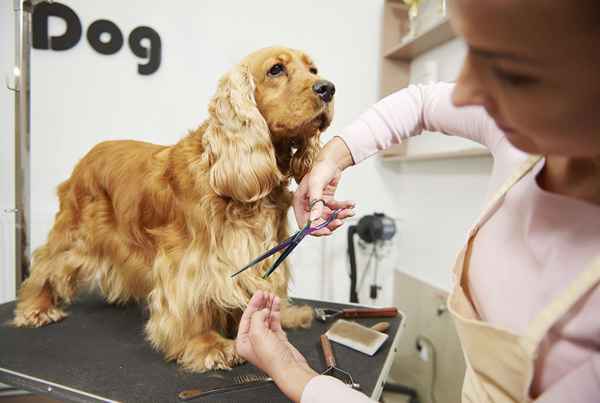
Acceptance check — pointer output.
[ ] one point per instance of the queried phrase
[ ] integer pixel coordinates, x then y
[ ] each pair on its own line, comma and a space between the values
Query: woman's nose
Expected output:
324, 89
469, 89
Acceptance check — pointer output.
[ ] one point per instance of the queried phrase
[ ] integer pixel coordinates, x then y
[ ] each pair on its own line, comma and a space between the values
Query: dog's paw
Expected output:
200, 357
297, 316
226, 357
38, 317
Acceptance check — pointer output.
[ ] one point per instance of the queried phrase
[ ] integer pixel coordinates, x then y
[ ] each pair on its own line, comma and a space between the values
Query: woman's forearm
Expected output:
408, 113
293, 380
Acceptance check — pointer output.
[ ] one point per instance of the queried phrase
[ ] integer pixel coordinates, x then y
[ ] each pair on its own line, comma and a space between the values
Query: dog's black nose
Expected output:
324, 89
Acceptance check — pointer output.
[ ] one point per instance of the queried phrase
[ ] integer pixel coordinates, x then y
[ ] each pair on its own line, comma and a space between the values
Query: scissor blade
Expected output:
282, 257
265, 255
294, 241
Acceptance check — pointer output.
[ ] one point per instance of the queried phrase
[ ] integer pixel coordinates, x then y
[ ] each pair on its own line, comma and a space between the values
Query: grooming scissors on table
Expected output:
290, 244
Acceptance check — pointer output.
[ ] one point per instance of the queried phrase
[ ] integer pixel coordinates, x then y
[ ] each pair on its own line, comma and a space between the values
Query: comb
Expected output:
239, 383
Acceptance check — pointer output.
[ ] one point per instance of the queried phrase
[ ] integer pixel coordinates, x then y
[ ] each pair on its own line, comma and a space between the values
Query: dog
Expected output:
168, 225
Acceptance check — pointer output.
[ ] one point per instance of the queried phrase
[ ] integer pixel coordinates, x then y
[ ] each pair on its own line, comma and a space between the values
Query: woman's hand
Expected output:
320, 183
262, 342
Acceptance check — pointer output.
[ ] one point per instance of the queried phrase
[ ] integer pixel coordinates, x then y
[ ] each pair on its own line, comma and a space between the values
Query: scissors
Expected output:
289, 244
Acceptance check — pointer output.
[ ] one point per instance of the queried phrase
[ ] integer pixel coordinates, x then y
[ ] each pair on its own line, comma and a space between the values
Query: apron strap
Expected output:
523, 170
583, 283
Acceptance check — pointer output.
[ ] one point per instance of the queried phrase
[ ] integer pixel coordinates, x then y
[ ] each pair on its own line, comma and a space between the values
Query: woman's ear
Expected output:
305, 156
237, 139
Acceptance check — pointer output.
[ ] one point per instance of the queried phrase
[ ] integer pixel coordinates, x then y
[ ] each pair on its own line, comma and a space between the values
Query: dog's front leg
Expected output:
190, 338
183, 330
195, 346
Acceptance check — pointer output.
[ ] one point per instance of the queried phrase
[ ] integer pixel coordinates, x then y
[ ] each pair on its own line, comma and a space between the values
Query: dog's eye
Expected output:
313, 70
276, 70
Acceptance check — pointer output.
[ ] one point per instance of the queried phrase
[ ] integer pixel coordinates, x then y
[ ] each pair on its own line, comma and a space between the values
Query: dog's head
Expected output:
294, 100
265, 121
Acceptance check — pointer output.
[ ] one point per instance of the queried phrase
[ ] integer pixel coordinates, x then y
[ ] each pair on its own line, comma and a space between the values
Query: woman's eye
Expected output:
515, 80
276, 70
313, 70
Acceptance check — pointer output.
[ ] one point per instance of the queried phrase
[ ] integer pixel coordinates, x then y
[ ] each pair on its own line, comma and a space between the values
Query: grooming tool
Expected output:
288, 245
332, 369
324, 314
251, 378
381, 327
239, 383
356, 336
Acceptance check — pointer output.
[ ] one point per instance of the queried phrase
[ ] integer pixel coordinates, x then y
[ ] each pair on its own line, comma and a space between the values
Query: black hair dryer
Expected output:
370, 228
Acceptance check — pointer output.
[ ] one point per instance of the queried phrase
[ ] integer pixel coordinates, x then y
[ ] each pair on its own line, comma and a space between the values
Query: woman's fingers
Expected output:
314, 198
260, 336
276, 315
316, 209
321, 176
257, 302
341, 216
333, 204
300, 202
335, 224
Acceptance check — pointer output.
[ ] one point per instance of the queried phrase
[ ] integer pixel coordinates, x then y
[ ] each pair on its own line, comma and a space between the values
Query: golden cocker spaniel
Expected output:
167, 225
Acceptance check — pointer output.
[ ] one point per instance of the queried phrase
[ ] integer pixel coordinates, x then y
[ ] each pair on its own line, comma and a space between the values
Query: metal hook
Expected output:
7, 82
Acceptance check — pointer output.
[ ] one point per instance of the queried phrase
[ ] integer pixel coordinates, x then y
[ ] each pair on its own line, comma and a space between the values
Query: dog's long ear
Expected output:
305, 156
237, 139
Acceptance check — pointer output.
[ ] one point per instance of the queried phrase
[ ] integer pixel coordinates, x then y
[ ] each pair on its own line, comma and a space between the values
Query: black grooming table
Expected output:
99, 354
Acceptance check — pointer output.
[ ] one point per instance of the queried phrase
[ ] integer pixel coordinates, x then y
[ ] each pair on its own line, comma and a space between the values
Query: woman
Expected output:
526, 300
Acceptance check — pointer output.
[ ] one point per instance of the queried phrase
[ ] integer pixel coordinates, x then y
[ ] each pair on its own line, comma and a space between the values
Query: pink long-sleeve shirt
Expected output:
534, 245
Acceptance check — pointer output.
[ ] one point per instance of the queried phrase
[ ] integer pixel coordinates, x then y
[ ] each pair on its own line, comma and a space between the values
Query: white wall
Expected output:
443, 197
80, 97
7, 173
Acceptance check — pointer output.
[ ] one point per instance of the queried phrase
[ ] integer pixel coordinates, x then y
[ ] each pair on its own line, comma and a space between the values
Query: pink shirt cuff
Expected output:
327, 389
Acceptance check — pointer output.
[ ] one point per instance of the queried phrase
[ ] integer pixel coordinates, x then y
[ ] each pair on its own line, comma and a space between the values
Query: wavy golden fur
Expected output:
167, 225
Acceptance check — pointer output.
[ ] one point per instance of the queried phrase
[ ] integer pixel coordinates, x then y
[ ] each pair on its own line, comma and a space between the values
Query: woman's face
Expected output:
535, 67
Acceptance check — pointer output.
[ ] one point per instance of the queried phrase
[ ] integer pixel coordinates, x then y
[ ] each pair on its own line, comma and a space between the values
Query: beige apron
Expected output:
500, 364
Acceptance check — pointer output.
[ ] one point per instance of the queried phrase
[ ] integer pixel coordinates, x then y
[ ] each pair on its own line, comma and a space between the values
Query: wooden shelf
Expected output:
464, 153
434, 36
